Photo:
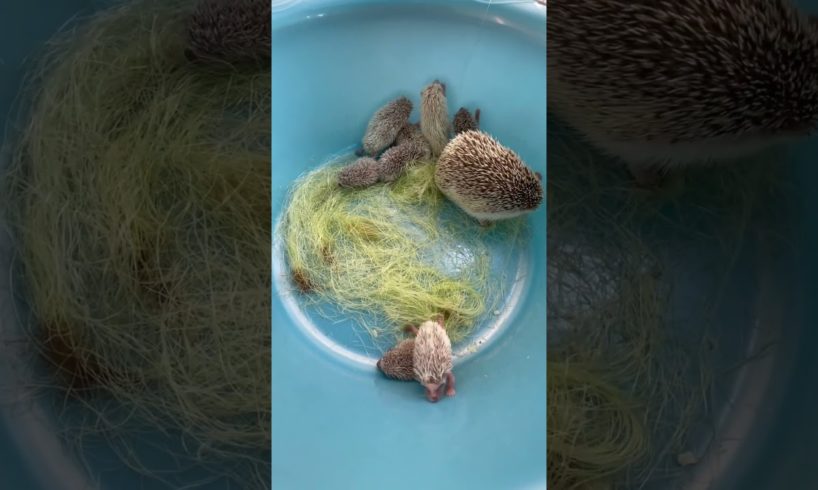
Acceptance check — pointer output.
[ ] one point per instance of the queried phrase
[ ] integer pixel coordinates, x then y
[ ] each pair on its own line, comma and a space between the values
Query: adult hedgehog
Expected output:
666, 83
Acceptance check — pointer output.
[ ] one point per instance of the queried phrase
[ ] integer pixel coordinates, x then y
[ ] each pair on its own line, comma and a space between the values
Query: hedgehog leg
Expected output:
485, 223
450, 391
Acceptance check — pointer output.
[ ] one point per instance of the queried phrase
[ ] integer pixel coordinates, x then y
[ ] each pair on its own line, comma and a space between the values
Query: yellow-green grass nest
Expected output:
628, 380
394, 254
139, 200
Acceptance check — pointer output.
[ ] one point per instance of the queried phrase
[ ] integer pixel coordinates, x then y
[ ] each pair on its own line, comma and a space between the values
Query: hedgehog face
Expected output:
432, 383
436, 88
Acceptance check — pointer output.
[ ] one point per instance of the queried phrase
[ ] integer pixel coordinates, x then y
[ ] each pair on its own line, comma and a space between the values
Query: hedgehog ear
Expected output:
539, 176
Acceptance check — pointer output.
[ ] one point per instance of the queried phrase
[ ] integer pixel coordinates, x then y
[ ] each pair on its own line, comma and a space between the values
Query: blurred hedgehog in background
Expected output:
663, 84
231, 31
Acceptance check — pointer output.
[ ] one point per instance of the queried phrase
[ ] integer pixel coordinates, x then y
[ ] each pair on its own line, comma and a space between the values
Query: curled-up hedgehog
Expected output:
410, 147
363, 172
434, 116
464, 121
487, 180
232, 31
664, 84
396, 363
385, 125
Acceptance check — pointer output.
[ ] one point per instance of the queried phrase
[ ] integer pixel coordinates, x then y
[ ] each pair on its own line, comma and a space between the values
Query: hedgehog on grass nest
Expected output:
487, 180
663, 84
403, 147
410, 146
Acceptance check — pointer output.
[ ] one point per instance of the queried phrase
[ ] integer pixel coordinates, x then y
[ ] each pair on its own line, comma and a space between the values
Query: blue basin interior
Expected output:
337, 423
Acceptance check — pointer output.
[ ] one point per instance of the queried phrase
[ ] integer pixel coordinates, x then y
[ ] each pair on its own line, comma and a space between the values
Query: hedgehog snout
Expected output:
433, 391
442, 85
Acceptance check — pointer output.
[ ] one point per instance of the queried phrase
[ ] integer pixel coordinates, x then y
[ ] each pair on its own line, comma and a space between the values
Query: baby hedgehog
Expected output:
410, 147
434, 116
410, 132
663, 83
463, 120
384, 126
233, 31
397, 362
485, 179
432, 359
363, 172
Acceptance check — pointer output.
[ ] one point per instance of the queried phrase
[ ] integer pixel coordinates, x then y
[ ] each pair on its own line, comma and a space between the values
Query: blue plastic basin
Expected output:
337, 423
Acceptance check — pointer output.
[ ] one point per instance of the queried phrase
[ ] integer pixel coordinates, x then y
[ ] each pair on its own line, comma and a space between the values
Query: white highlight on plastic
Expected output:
488, 334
